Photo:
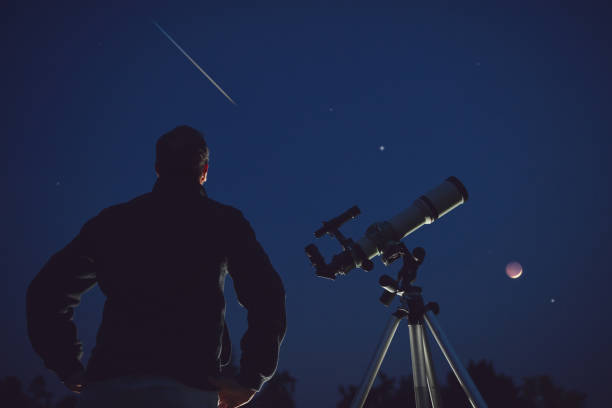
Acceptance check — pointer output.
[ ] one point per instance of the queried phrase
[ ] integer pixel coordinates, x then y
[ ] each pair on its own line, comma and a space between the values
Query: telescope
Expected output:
383, 238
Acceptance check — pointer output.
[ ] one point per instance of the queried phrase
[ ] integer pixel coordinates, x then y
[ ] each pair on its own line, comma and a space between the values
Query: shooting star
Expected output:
193, 62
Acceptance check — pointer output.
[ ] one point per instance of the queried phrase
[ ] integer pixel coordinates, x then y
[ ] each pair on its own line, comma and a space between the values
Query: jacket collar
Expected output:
178, 187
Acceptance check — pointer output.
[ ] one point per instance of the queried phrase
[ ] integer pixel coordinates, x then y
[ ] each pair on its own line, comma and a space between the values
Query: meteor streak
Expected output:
193, 62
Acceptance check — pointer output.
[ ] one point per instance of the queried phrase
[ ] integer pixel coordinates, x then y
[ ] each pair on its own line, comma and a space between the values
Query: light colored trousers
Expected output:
145, 392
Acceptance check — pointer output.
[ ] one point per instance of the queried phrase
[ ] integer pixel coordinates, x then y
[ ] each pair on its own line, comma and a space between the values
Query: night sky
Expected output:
336, 106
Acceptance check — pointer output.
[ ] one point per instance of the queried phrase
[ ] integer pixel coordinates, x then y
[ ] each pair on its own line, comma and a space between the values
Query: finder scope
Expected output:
382, 238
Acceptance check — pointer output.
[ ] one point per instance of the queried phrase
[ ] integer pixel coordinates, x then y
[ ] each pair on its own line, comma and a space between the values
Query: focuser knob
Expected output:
418, 254
367, 265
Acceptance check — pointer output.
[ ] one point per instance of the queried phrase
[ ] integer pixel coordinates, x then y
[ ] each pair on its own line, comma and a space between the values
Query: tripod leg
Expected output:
368, 380
434, 393
460, 372
421, 393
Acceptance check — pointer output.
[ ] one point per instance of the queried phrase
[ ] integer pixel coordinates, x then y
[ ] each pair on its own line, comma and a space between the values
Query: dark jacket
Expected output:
161, 260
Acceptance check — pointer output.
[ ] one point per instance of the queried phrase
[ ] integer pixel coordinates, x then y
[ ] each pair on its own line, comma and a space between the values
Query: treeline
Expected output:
498, 390
278, 393
13, 395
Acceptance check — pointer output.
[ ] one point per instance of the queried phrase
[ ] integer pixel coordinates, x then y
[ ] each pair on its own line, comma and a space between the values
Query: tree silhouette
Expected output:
540, 392
39, 393
12, 395
385, 393
498, 390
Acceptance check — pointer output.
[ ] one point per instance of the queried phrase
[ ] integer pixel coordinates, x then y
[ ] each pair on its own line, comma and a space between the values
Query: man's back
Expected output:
161, 260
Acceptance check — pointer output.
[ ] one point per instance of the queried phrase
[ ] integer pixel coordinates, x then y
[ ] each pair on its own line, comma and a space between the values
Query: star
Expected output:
57, 184
331, 109
382, 148
552, 300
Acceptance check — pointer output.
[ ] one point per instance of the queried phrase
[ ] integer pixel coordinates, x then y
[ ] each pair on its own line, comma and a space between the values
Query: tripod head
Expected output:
412, 304
406, 275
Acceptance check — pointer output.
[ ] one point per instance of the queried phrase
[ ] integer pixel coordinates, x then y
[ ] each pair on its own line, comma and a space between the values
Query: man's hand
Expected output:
75, 382
232, 394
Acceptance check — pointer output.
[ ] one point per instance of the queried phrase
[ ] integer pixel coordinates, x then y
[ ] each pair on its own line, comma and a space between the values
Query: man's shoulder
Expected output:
135, 202
123, 208
144, 202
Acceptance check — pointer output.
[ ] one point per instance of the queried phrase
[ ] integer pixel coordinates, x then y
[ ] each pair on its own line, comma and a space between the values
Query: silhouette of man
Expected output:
161, 260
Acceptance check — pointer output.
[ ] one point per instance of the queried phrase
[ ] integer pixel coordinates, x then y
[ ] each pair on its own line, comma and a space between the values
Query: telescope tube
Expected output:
425, 210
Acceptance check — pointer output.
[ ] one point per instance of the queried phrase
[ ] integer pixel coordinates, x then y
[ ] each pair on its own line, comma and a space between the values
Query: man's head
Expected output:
182, 154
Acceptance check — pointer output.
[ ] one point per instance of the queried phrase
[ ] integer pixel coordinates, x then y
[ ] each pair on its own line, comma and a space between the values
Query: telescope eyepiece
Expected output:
315, 256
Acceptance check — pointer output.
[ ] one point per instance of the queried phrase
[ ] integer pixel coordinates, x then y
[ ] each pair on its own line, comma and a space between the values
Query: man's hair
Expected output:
182, 153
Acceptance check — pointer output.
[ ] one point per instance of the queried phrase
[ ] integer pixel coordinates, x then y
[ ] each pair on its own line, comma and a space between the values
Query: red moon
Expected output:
514, 270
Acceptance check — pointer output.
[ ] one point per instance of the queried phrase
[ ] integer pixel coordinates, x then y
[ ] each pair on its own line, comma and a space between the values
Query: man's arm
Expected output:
50, 301
260, 291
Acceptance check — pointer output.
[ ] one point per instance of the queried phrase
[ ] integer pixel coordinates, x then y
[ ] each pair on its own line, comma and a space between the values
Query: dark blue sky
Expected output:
514, 101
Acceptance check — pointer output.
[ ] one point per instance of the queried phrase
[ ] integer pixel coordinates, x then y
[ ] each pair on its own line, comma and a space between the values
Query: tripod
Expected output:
413, 309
